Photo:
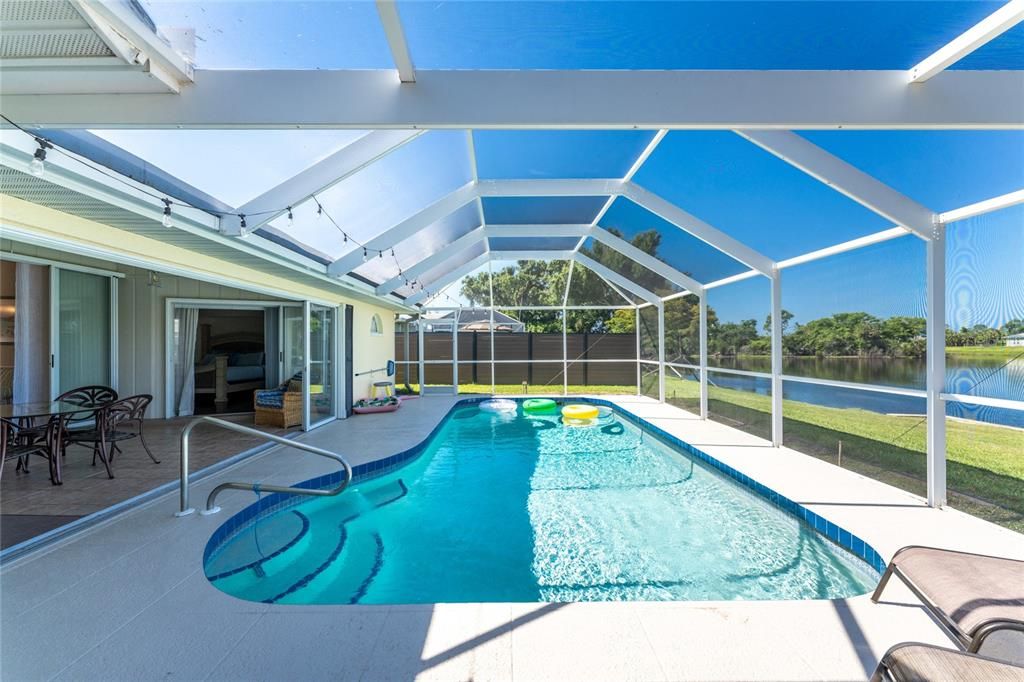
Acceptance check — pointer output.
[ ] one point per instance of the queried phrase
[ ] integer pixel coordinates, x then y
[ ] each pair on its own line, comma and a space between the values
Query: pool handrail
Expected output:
186, 432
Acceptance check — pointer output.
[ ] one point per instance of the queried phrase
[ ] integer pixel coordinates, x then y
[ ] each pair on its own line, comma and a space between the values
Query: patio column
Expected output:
419, 352
936, 370
776, 357
661, 351
704, 356
565, 353
455, 354
639, 373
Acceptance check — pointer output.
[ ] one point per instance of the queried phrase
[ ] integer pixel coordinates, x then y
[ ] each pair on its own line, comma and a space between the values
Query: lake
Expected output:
986, 377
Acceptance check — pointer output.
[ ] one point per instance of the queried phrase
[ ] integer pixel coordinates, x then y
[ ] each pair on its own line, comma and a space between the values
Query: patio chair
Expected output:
970, 595
20, 443
114, 422
89, 397
281, 406
915, 662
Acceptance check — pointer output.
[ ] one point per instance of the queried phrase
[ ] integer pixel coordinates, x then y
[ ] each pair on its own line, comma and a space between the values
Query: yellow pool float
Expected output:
580, 412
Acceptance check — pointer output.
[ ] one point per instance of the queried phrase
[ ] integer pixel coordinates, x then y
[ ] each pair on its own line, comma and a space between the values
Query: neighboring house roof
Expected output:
469, 315
1016, 336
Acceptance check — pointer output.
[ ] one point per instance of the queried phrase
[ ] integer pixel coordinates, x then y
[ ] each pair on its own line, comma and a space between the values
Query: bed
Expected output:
232, 365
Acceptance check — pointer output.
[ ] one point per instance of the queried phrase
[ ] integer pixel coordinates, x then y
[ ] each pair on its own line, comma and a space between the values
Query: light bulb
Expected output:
38, 165
365, 255
291, 218
166, 219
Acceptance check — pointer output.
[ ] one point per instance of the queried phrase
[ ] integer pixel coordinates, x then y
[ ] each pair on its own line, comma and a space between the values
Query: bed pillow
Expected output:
248, 360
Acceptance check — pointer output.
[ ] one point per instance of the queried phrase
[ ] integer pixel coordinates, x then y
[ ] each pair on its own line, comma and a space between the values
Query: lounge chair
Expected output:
971, 595
914, 662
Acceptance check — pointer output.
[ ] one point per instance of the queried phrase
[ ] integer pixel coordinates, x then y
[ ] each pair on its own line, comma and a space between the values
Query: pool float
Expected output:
540, 406
580, 412
605, 413
499, 405
389, 404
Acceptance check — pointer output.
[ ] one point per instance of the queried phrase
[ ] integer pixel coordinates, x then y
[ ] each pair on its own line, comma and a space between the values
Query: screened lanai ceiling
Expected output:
506, 134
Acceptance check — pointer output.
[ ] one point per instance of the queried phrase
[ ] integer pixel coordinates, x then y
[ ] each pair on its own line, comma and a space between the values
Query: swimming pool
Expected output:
509, 507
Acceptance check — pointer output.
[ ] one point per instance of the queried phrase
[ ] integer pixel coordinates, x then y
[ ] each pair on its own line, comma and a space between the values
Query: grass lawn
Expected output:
985, 465
1000, 352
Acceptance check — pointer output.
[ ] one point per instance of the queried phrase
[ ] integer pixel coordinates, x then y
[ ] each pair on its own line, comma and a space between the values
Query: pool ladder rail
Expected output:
211, 508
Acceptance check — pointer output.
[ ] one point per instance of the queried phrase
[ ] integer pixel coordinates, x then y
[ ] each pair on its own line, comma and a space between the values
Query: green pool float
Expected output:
540, 406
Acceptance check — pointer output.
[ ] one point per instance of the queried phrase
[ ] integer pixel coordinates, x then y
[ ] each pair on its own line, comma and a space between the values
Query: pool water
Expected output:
522, 508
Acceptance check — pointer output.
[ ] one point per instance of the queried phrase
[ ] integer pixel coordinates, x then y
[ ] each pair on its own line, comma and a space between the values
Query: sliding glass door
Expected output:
82, 332
323, 341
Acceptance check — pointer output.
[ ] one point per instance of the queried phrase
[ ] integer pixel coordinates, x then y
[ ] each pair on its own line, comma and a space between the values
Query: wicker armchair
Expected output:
281, 406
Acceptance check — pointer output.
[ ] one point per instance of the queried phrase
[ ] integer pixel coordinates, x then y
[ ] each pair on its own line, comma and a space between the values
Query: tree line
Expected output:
538, 283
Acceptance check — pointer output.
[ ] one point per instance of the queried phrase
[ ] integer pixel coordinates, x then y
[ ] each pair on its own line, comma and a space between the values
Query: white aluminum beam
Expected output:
317, 178
644, 155
715, 99
776, 341
982, 207
550, 187
538, 231
845, 179
860, 242
435, 259
935, 376
703, 368
453, 275
615, 278
124, 31
992, 26
540, 254
661, 351
407, 228
698, 228
843, 247
64, 172
647, 260
388, 11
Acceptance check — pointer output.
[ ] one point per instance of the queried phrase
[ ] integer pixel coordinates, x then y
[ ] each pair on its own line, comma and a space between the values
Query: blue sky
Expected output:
589, 35
716, 175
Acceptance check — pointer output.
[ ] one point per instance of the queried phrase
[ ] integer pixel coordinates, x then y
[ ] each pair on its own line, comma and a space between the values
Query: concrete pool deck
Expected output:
128, 599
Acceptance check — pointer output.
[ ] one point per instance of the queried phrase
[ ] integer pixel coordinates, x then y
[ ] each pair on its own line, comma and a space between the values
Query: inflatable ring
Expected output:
604, 412
540, 406
579, 412
499, 405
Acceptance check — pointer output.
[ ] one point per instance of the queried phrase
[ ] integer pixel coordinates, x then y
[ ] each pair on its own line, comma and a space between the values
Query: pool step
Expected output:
346, 578
259, 548
347, 575
277, 575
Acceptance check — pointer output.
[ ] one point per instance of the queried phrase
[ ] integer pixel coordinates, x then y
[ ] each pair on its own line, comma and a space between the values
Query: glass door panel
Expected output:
322, 362
83, 330
293, 356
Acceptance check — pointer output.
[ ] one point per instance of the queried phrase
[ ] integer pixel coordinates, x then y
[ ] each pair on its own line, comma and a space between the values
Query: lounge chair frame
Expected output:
968, 641
883, 674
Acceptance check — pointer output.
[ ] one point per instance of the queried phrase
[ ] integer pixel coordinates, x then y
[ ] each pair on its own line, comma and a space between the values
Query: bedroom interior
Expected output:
231, 361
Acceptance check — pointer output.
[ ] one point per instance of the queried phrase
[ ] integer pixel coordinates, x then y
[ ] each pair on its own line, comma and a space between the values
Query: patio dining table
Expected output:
27, 414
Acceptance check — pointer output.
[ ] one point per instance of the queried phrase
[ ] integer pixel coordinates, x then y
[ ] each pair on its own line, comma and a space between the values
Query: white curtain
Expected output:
186, 325
31, 333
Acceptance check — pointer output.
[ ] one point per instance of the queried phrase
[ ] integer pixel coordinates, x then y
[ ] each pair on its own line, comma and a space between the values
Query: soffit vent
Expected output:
28, 188
62, 43
38, 11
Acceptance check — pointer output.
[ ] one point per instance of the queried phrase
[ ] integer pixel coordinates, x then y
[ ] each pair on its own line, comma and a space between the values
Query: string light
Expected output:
38, 166
166, 220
